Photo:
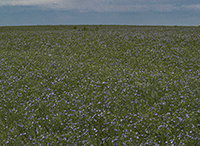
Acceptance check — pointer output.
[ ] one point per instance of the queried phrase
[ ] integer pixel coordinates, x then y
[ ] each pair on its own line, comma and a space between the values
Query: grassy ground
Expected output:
99, 85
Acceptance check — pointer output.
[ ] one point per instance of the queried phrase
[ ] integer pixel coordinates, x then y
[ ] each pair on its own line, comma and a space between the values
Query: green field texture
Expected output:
99, 85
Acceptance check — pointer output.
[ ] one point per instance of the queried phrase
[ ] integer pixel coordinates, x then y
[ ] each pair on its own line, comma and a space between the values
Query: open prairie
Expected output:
99, 85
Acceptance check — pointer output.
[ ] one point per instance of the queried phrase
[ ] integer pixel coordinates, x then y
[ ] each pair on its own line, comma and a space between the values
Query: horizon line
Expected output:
33, 25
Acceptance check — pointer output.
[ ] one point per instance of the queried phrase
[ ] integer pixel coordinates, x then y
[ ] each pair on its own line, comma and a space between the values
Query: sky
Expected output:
105, 12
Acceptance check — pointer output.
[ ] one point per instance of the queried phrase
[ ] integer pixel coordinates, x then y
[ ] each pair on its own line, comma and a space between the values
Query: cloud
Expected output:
191, 7
105, 5
27, 2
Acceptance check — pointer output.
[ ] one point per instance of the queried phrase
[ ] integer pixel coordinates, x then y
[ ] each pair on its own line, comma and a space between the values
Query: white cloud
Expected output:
103, 5
27, 2
191, 7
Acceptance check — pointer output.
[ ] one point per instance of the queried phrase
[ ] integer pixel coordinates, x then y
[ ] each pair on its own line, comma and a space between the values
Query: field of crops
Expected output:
99, 85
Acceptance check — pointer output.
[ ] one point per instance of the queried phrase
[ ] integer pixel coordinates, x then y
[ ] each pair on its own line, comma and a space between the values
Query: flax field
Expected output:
100, 85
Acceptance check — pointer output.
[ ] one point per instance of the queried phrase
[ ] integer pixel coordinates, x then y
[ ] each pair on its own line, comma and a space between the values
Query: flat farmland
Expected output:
99, 85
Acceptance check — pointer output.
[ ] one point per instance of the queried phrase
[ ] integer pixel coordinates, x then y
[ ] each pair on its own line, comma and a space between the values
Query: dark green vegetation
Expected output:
100, 85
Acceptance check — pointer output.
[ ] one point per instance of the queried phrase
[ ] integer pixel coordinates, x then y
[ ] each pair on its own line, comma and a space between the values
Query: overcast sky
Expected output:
119, 12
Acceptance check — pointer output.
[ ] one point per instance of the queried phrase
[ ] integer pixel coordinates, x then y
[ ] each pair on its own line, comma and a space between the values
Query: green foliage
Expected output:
85, 28
96, 28
75, 27
99, 85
